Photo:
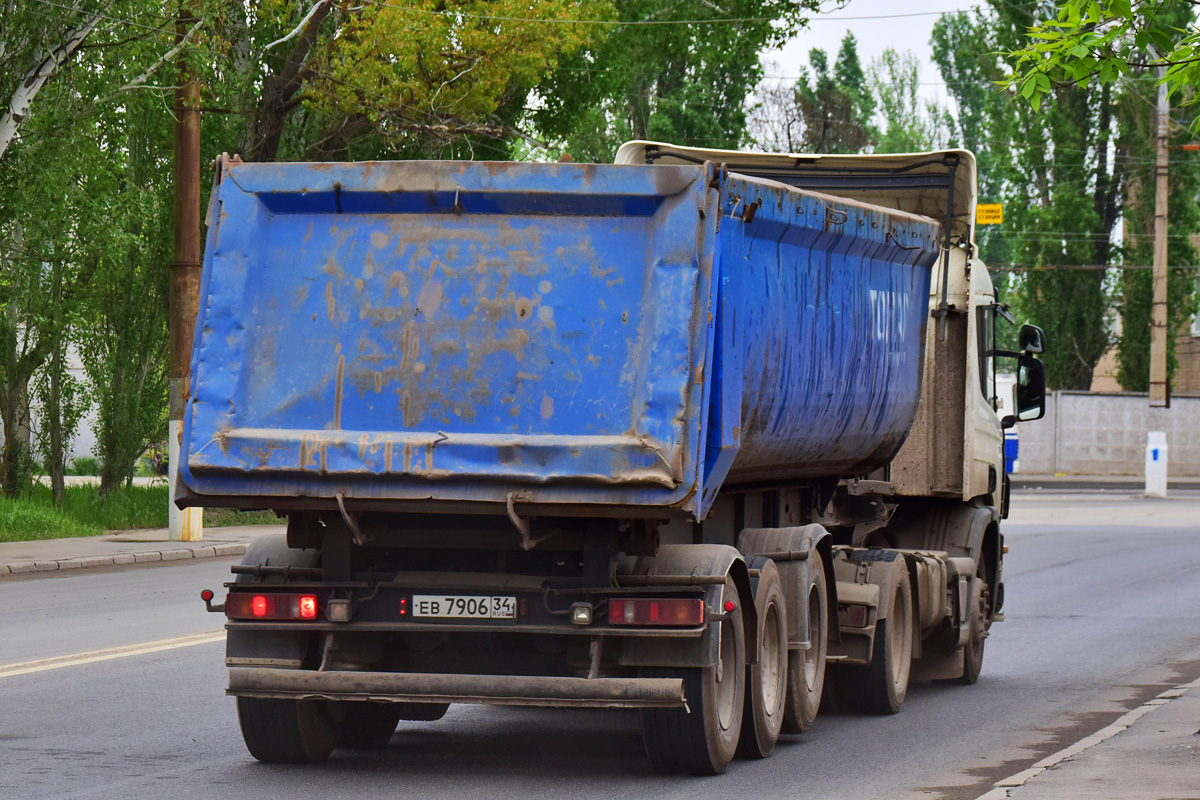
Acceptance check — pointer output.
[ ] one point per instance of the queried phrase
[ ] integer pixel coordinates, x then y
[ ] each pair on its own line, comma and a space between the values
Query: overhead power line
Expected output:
1000, 231
819, 17
451, 14
111, 18
1085, 267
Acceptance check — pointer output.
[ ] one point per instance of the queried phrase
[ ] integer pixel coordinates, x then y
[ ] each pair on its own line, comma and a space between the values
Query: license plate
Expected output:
436, 606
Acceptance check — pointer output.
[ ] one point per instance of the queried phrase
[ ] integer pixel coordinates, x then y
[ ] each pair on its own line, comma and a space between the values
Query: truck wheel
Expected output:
806, 668
973, 651
272, 549
766, 680
367, 726
286, 731
422, 712
701, 738
880, 686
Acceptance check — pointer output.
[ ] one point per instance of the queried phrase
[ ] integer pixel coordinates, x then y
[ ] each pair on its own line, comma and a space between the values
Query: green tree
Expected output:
41, 250
1053, 171
774, 122
1076, 207
66, 199
336, 81
34, 48
985, 120
1120, 48
63, 400
910, 123
57, 234
683, 79
1138, 124
836, 105
125, 353
1084, 41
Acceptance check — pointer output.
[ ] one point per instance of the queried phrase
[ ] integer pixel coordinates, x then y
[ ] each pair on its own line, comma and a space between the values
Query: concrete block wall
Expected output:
1090, 433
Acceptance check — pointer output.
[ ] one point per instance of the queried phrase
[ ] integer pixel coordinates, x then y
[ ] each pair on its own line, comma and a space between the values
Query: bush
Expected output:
84, 465
125, 508
228, 517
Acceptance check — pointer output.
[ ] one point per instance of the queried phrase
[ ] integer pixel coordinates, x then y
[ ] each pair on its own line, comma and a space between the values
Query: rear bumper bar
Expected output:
416, 687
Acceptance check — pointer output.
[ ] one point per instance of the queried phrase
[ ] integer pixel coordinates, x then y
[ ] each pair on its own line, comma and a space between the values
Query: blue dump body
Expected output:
608, 340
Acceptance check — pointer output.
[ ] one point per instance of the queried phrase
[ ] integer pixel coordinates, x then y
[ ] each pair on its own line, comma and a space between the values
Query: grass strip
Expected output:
84, 513
23, 521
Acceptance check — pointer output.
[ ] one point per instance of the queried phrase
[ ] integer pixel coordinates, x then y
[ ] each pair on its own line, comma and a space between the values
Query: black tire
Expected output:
702, 738
422, 712
806, 668
767, 679
881, 686
367, 726
283, 731
973, 650
286, 731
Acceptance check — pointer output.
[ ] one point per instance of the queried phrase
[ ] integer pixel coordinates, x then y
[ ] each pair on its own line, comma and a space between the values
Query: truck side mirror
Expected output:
1032, 339
1031, 387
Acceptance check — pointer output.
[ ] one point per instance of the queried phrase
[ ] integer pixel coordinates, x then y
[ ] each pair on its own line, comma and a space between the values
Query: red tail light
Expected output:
271, 606
687, 611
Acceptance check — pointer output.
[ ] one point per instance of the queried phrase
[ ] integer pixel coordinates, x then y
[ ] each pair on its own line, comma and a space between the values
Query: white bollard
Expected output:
183, 525
1156, 464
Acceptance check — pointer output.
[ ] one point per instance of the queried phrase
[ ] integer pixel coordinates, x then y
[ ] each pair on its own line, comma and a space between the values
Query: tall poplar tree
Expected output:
837, 104
1053, 167
909, 122
824, 111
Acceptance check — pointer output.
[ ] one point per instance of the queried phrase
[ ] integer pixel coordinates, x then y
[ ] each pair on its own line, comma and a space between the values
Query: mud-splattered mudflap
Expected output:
411, 687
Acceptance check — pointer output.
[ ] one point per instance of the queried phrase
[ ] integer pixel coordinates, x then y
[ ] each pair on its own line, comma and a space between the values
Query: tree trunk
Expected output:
53, 416
14, 410
112, 473
56, 457
1108, 187
39, 74
280, 88
16, 437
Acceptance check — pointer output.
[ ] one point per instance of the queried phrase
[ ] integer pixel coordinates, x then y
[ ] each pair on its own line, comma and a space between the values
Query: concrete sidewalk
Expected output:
130, 547
1149, 753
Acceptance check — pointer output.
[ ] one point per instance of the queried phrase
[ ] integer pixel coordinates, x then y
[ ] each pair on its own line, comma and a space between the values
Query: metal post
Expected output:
186, 525
1159, 391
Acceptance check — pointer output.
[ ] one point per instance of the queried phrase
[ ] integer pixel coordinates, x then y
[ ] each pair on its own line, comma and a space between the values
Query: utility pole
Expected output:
186, 525
1160, 394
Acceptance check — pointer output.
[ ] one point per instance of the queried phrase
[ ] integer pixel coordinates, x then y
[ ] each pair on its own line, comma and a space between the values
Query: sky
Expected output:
899, 25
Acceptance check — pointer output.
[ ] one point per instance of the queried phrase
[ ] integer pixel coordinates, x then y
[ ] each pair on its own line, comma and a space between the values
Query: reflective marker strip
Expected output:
91, 657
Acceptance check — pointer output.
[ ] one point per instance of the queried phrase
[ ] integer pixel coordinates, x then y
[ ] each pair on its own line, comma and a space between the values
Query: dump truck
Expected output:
707, 434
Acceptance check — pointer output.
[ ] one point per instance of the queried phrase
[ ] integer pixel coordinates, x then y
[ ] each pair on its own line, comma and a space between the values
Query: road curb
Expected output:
1006, 788
119, 559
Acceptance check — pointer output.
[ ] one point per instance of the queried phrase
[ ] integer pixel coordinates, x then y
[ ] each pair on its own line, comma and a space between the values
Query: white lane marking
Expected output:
91, 657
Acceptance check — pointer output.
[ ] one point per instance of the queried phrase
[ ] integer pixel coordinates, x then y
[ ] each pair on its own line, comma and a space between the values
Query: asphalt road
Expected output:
1102, 599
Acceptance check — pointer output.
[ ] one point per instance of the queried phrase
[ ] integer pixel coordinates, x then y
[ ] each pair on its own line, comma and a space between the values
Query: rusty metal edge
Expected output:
524, 690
